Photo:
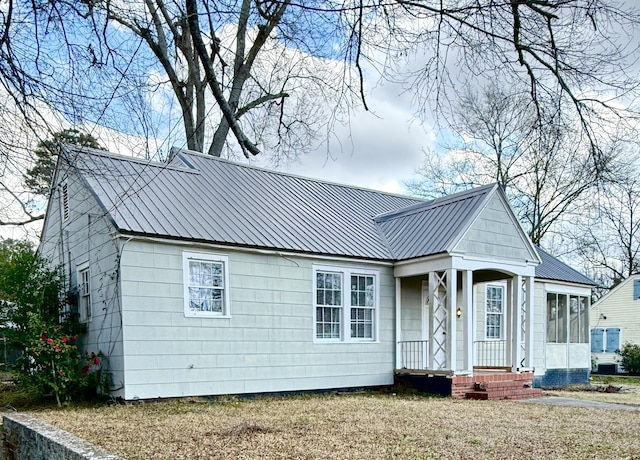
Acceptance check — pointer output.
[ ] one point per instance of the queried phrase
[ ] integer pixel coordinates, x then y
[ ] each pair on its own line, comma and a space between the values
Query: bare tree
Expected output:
544, 168
273, 72
608, 237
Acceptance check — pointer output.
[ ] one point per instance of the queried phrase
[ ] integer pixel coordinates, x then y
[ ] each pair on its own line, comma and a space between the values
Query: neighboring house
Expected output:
614, 321
202, 277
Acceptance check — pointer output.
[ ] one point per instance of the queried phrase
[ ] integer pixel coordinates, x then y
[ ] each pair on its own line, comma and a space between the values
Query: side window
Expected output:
636, 289
206, 284
84, 293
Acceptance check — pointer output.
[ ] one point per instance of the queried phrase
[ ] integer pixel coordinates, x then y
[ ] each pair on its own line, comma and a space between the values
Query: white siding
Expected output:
621, 311
494, 234
411, 314
87, 236
267, 343
539, 328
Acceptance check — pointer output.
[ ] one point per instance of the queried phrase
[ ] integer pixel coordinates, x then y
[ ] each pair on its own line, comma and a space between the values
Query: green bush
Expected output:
630, 357
39, 326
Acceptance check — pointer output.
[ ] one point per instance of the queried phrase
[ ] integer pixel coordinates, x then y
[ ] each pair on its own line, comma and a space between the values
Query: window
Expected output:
578, 320
206, 284
328, 305
556, 318
495, 312
362, 306
636, 289
345, 312
84, 293
567, 318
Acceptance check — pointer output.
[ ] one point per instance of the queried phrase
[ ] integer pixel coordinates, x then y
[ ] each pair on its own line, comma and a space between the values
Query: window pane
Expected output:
552, 318
584, 320
562, 318
574, 320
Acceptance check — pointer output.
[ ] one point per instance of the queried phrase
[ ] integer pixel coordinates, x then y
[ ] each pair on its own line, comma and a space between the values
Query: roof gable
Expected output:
495, 232
612, 295
431, 227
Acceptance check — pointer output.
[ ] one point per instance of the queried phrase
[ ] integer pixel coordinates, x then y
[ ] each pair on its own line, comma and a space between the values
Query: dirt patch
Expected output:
617, 393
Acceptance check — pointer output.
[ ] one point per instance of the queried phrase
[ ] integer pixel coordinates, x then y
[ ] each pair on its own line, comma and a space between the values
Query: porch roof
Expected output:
443, 220
555, 270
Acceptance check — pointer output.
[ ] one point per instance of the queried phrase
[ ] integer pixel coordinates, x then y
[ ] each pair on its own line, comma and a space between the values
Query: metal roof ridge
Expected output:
437, 202
132, 159
298, 176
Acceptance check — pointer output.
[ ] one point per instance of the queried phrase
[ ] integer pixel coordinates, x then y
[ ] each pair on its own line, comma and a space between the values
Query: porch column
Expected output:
516, 322
528, 338
398, 322
467, 317
452, 305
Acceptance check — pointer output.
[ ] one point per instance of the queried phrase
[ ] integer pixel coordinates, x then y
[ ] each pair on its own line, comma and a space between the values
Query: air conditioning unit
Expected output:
608, 368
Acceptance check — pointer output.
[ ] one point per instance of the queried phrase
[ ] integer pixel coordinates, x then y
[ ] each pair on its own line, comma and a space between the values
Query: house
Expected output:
200, 276
614, 321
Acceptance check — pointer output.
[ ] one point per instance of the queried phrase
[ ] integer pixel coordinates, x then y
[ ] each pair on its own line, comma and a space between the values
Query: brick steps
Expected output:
503, 389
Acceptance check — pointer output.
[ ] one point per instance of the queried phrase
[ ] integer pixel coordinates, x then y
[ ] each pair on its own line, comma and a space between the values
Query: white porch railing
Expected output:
413, 354
490, 353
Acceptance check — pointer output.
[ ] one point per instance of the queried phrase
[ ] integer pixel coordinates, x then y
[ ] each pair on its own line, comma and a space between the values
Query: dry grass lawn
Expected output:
368, 426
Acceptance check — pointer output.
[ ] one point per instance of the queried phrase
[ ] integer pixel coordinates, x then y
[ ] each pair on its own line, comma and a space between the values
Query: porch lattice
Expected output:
438, 288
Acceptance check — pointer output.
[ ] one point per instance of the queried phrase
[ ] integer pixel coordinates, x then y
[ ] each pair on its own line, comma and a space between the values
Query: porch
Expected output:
466, 332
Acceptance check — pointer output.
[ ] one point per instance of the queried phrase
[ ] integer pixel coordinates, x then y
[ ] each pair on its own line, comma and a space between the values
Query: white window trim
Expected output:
503, 286
79, 270
345, 320
210, 257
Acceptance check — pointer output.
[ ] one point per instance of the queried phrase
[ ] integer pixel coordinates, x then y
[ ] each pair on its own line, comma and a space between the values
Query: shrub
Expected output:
630, 357
38, 325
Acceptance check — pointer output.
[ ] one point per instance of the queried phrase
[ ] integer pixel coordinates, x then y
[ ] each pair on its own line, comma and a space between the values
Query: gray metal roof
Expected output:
430, 227
229, 203
202, 198
553, 269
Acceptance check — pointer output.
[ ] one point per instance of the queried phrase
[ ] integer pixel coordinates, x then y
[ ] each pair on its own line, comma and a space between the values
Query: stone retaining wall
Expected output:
26, 438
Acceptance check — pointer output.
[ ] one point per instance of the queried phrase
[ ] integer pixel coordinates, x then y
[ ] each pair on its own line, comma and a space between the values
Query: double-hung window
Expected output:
346, 304
84, 293
206, 284
494, 312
